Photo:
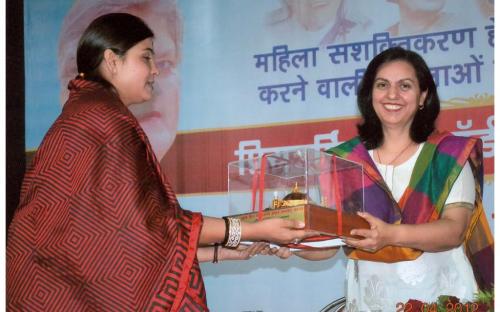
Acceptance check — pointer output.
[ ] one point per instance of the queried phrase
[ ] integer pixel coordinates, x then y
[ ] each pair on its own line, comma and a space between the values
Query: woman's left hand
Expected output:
374, 238
244, 252
282, 252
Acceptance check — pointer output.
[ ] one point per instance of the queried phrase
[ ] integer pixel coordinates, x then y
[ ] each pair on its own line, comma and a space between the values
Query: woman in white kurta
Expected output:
371, 285
428, 233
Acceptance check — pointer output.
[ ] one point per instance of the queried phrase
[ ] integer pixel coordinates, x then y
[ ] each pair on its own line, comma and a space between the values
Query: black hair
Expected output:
423, 124
116, 31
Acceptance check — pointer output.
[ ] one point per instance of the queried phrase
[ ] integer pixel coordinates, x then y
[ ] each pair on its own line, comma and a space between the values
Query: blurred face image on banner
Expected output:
159, 116
320, 22
486, 8
422, 17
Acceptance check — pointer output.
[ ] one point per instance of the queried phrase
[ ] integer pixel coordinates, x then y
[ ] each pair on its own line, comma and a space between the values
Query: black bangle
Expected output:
216, 253
226, 232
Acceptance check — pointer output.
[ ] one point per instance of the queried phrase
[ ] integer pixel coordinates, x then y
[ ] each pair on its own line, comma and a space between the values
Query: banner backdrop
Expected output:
243, 78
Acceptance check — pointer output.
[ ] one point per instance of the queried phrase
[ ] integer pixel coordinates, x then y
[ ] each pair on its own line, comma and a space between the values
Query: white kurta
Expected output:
378, 286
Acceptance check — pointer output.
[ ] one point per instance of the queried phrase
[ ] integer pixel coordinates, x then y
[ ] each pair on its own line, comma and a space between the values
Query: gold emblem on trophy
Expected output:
292, 199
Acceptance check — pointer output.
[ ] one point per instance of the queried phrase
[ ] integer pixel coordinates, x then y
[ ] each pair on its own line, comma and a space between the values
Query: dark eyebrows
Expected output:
400, 80
150, 50
381, 79
407, 79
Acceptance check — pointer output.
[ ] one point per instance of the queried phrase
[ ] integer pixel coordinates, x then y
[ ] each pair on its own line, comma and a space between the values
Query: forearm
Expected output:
242, 252
443, 234
205, 254
214, 229
275, 230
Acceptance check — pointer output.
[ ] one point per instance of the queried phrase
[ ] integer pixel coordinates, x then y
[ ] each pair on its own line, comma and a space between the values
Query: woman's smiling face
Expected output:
396, 95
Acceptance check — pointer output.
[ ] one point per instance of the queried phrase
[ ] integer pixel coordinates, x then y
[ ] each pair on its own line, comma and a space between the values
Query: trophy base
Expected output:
316, 218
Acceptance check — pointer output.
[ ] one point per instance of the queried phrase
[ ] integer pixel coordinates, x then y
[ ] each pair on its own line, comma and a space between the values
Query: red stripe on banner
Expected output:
197, 162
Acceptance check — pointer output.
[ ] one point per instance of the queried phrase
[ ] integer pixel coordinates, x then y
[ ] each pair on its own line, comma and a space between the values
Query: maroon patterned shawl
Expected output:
98, 227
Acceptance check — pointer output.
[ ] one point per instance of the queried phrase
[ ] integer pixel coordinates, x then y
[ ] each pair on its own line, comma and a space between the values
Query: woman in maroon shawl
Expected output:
98, 227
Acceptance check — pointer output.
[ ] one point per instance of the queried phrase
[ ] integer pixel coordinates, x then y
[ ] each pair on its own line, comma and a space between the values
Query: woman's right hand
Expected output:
277, 230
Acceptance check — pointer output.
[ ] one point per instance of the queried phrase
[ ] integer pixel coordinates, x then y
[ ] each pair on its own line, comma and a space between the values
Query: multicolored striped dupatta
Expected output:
438, 166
